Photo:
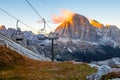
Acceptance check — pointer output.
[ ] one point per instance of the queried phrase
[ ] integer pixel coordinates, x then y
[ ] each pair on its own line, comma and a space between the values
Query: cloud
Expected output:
64, 16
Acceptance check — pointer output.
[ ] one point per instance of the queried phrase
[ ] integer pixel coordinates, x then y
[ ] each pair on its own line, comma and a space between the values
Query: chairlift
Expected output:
42, 47
41, 36
42, 32
19, 34
53, 35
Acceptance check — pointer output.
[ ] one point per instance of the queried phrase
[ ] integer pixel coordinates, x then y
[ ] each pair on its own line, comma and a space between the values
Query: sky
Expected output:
104, 11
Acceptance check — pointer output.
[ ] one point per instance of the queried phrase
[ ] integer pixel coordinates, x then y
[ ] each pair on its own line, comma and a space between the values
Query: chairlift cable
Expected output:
50, 27
38, 15
8, 14
16, 19
36, 12
28, 26
34, 9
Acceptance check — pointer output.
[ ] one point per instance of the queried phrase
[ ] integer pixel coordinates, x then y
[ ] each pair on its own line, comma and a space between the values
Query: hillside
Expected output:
10, 57
14, 66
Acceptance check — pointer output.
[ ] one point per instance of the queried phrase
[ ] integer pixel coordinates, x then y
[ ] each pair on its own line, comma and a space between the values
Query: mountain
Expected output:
84, 40
80, 39
78, 27
2, 29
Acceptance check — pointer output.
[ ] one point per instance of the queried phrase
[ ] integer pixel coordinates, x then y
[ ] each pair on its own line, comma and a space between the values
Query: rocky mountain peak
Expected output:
79, 19
2, 27
78, 27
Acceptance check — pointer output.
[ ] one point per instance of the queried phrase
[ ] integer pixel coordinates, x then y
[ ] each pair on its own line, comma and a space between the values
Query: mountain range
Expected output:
79, 27
87, 40
80, 39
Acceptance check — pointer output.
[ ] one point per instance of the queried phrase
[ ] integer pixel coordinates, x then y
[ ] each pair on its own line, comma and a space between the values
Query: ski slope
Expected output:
21, 49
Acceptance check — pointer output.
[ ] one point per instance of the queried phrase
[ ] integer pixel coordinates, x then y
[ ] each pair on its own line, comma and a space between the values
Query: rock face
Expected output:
78, 27
102, 70
2, 29
109, 35
105, 68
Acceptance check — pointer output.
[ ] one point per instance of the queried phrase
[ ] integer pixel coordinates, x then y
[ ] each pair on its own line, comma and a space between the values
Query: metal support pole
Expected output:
17, 24
52, 49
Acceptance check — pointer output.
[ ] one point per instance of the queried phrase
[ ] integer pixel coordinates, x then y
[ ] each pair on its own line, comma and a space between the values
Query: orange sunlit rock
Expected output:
96, 24
2, 26
107, 25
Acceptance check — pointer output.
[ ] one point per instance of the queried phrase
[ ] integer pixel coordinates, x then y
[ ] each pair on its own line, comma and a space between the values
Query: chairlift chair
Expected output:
53, 35
42, 47
42, 32
19, 34
41, 36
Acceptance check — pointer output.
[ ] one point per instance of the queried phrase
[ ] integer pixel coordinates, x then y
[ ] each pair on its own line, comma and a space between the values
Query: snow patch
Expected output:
102, 70
70, 50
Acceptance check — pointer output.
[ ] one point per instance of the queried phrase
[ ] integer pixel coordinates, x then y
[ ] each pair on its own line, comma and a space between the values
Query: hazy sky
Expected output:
104, 11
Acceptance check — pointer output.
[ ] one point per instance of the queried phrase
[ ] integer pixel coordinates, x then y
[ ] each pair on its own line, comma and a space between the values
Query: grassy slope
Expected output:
16, 67
9, 57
